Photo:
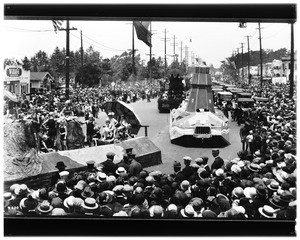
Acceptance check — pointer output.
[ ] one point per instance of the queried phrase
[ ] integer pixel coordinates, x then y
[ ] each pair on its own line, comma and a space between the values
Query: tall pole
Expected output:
81, 53
249, 75
261, 60
181, 53
150, 65
291, 77
238, 64
165, 53
133, 65
67, 56
67, 59
186, 55
174, 50
242, 62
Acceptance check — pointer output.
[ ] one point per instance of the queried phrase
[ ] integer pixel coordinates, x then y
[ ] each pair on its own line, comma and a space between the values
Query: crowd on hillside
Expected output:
260, 183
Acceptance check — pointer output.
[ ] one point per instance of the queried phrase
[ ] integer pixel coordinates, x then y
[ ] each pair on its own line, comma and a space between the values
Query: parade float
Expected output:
197, 118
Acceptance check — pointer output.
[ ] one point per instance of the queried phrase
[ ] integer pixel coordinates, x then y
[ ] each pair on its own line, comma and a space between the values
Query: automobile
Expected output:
224, 96
245, 103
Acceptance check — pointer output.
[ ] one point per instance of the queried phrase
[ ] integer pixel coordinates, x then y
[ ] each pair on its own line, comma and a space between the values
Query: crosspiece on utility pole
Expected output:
67, 29
174, 44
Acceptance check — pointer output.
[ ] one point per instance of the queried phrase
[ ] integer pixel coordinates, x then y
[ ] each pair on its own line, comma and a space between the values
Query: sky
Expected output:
210, 41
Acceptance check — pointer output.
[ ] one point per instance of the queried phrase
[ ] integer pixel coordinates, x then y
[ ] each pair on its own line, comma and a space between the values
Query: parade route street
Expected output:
158, 133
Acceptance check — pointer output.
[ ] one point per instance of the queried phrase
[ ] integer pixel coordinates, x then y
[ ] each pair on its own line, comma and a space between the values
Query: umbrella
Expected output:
121, 108
11, 96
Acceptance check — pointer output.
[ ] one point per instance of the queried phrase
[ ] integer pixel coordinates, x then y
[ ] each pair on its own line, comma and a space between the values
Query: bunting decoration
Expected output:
142, 32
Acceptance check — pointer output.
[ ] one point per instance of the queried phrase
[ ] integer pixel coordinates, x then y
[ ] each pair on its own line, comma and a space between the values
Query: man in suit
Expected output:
108, 166
134, 167
61, 167
218, 162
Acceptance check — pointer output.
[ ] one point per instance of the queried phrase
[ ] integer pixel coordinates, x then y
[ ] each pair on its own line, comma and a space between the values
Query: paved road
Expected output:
159, 135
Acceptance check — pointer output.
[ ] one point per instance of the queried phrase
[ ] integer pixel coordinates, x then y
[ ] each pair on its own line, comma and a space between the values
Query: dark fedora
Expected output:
60, 165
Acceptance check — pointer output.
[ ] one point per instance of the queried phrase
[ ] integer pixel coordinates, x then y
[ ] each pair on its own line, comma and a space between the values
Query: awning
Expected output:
11, 96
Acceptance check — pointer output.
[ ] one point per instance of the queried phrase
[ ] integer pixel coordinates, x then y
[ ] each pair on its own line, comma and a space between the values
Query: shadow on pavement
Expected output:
189, 141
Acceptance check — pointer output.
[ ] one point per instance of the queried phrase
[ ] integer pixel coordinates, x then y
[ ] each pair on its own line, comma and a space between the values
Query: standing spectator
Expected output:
249, 142
239, 115
134, 167
178, 174
50, 125
108, 166
61, 167
244, 131
63, 135
90, 126
218, 162
187, 170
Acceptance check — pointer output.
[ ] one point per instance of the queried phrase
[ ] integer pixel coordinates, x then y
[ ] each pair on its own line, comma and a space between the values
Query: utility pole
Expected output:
174, 44
165, 40
186, 55
249, 75
181, 53
242, 62
291, 77
81, 55
261, 60
150, 64
237, 63
67, 55
133, 65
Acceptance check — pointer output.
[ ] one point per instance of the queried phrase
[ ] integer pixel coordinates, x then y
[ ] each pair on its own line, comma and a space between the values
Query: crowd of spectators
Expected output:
49, 113
260, 183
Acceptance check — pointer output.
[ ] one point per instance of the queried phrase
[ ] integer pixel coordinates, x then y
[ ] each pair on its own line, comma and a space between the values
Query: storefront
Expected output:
17, 80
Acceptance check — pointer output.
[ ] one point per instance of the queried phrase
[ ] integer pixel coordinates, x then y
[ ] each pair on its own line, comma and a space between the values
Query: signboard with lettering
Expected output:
16, 73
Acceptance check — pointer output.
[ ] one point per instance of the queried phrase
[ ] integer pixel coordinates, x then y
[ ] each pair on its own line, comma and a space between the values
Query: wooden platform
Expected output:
146, 153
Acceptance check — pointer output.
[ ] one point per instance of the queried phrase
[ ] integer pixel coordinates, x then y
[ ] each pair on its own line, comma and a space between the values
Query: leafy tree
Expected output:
57, 63
11, 61
41, 62
26, 63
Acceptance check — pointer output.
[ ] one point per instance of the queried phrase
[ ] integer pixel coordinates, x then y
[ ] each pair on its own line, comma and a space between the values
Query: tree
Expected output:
41, 62
11, 61
26, 63
57, 63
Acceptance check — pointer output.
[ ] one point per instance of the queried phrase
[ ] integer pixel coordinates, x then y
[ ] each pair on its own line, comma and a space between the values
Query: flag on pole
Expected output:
57, 25
142, 32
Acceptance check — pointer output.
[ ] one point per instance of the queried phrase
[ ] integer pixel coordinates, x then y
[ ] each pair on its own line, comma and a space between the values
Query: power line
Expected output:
27, 30
275, 33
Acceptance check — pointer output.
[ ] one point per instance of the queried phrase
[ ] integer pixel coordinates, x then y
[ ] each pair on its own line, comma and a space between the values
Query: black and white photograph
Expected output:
169, 119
